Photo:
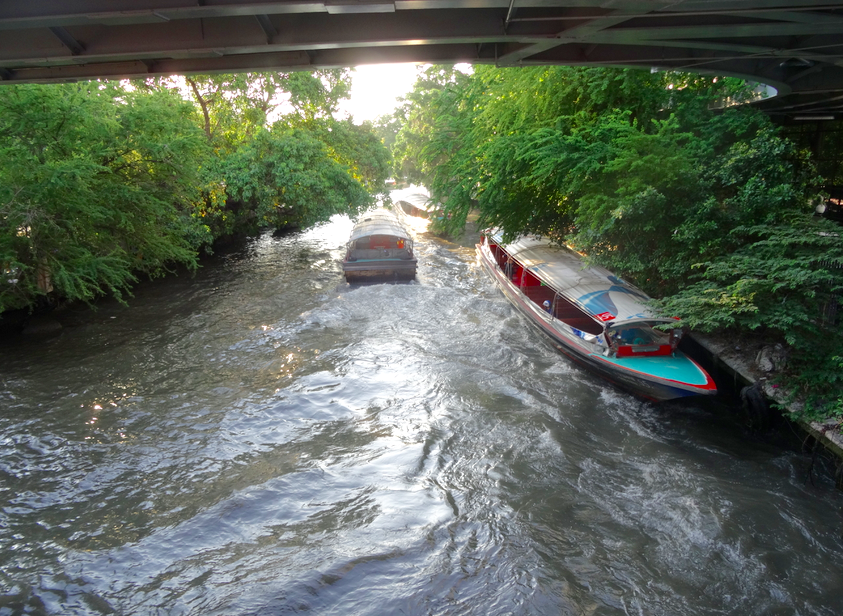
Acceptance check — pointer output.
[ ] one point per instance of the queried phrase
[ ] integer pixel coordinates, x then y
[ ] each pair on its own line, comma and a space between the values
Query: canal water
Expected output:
263, 438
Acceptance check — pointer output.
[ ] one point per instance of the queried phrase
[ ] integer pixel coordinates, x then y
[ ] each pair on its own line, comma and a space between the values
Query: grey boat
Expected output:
414, 202
380, 247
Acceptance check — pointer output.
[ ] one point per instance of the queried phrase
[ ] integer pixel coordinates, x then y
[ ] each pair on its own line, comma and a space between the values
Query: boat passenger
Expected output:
546, 305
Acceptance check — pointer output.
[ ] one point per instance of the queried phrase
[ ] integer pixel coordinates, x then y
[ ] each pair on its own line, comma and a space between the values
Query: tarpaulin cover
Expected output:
378, 222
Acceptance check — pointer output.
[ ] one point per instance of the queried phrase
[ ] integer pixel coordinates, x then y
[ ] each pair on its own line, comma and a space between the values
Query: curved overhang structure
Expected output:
795, 46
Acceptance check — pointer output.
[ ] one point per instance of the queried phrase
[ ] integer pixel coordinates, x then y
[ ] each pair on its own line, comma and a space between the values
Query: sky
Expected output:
375, 88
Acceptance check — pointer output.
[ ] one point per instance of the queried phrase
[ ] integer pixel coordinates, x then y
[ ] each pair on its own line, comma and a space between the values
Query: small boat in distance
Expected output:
379, 248
593, 317
415, 201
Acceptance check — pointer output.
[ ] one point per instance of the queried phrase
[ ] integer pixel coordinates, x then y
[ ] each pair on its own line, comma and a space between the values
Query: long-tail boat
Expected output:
593, 317
379, 247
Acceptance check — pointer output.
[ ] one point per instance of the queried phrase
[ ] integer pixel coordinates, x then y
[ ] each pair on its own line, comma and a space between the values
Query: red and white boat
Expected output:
593, 317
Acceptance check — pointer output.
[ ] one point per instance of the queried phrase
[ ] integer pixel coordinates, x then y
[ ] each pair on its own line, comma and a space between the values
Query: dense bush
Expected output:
102, 182
96, 187
706, 207
286, 178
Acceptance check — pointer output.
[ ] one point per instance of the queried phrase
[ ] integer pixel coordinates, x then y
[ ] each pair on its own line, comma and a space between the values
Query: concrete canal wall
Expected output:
752, 364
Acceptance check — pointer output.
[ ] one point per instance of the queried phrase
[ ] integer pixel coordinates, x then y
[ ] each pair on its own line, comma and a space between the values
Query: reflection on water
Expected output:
263, 438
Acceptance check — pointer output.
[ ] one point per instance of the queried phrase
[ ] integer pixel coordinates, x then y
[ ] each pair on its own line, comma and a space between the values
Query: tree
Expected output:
318, 94
102, 183
634, 168
97, 185
244, 117
651, 176
780, 284
418, 114
386, 127
287, 178
236, 106
358, 148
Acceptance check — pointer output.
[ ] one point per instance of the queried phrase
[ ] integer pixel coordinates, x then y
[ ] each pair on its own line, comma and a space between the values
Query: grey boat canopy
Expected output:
593, 288
416, 199
378, 222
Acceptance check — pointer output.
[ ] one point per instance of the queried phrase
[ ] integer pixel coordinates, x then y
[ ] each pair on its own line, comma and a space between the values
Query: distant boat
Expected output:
379, 248
415, 202
593, 317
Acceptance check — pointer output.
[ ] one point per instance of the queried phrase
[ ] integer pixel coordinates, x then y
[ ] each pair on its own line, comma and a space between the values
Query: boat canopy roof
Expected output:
378, 222
593, 288
414, 197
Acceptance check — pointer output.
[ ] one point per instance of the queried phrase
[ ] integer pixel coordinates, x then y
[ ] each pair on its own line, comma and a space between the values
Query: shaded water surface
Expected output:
263, 438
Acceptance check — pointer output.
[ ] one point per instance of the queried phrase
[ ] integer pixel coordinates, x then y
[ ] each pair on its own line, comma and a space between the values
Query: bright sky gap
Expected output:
376, 88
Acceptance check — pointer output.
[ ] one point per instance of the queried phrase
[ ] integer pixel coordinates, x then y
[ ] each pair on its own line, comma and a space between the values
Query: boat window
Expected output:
500, 256
561, 308
566, 311
378, 242
381, 241
509, 268
384, 241
639, 333
515, 270
530, 280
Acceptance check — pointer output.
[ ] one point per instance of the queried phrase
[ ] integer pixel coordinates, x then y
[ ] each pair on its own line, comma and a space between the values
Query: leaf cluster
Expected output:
102, 182
287, 178
96, 184
704, 205
783, 282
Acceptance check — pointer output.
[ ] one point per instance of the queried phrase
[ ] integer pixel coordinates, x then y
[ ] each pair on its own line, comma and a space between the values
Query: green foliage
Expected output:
357, 147
705, 206
293, 177
778, 283
317, 94
238, 111
235, 107
96, 187
287, 178
101, 183
386, 128
663, 201
421, 110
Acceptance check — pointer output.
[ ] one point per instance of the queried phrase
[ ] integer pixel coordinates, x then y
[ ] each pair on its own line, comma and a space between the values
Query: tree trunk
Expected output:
204, 106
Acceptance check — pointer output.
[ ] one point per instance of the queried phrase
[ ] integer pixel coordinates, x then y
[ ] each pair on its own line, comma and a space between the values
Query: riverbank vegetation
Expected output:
104, 182
706, 206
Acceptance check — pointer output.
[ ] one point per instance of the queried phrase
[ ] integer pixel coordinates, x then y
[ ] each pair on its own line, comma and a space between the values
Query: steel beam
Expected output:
794, 45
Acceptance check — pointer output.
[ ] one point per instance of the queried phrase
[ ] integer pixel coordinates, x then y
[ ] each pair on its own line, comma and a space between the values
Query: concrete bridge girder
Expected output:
795, 45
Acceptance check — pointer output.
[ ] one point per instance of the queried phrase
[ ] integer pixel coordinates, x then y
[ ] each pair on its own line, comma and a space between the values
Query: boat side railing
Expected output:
539, 293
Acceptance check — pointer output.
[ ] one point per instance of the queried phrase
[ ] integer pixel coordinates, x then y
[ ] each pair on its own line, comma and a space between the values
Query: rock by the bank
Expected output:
771, 358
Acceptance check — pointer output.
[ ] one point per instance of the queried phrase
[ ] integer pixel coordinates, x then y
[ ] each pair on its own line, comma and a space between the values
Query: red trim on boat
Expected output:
515, 294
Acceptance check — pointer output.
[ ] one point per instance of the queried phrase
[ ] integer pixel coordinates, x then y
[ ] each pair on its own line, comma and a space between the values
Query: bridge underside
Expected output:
795, 46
